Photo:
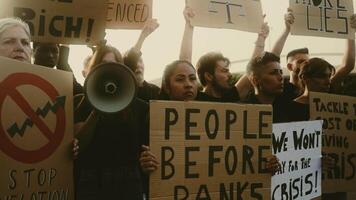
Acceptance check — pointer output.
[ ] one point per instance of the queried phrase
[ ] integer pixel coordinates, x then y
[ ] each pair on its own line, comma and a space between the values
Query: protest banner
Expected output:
244, 15
60, 21
339, 138
210, 150
324, 18
36, 132
298, 148
128, 14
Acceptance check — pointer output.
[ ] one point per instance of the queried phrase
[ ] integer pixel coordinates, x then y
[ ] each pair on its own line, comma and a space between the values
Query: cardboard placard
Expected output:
339, 138
244, 15
210, 150
324, 18
60, 21
128, 14
298, 148
36, 132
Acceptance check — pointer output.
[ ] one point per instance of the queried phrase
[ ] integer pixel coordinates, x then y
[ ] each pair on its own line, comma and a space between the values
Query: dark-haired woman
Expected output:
110, 144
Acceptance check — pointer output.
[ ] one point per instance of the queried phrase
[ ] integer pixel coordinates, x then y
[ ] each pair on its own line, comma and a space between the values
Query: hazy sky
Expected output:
162, 47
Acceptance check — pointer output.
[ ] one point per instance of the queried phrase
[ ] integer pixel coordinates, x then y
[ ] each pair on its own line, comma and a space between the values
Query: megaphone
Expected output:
110, 87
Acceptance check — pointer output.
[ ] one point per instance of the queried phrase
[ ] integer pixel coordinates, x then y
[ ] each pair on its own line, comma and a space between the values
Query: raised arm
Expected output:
186, 48
261, 39
288, 21
150, 26
348, 61
63, 58
243, 85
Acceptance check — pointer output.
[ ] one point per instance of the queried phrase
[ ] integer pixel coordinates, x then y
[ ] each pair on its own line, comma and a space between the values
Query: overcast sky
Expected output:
162, 47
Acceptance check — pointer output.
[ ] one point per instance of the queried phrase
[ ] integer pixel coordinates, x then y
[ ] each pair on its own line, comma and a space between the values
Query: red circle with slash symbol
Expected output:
8, 89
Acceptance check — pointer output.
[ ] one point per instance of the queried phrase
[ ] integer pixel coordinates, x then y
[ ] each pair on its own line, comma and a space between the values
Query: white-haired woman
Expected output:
15, 43
15, 39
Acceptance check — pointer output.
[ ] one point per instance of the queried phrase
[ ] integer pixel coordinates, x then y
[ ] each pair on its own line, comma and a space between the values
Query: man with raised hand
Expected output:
213, 67
133, 59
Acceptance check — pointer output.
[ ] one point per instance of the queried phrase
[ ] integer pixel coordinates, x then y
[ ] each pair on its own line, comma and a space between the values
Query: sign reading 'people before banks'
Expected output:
210, 150
60, 21
298, 148
339, 138
244, 15
36, 132
128, 14
324, 18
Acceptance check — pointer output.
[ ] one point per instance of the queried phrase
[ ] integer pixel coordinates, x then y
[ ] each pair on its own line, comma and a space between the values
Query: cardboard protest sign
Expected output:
324, 18
36, 132
298, 148
128, 14
210, 150
339, 138
60, 21
244, 15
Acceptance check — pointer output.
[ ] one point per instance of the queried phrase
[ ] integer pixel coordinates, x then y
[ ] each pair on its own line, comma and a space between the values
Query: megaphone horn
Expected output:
110, 87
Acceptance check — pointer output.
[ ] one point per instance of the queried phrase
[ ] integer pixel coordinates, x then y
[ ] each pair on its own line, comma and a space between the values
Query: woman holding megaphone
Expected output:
111, 125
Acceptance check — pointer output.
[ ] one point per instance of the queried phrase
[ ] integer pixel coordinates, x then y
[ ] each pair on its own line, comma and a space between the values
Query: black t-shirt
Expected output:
148, 92
279, 108
298, 111
230, 96
290, 92
117, 138
110, 163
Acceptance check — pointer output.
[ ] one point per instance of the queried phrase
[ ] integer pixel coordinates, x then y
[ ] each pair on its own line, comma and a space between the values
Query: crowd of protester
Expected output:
113, 157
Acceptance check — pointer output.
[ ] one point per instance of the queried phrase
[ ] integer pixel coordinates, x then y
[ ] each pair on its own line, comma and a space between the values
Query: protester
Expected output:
314, 76
104, 54
15, 40
107, 164
15, 43
54, 56
133, 59
46, 54
265, 74
179, 82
